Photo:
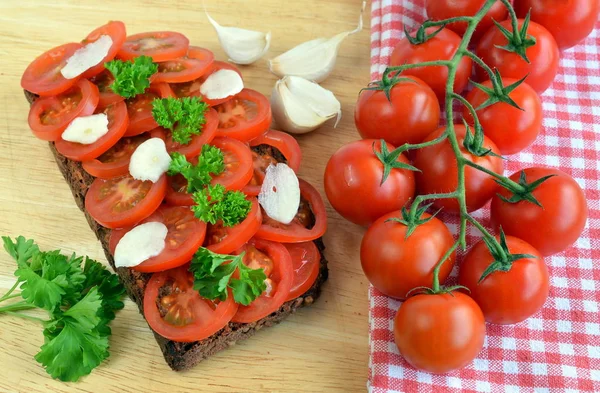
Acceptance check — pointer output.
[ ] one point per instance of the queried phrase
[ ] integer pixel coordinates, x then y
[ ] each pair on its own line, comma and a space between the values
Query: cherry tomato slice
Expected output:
192, 88
197, 62
43, 76
103, 81
123, 201
278, 284
306, 261
116, 31
285, 144
50, 116
139, 108
115, 161
192, 149
117, 124
301, 229
159, 45
176, 311
225, 240
185, 234
245, 116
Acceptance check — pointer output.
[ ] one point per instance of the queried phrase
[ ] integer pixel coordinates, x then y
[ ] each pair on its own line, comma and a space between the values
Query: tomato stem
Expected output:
408, 146
514, 20
398, 69
436, 270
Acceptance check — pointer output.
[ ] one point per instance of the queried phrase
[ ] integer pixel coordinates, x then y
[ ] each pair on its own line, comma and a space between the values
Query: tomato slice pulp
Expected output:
159, 45
139, 108
185, 69
306, 260
245, 116
225, 240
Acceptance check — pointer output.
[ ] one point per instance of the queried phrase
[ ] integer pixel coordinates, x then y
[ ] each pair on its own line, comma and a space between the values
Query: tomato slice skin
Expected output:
159, 45
103, 81
50, 116
224, 240
115, 161
192, 88
104, 200
42, 76
185, 69
295, 232
185, 235
306, 260
193, 149
203, 321
282, 275
118, 120
139, 108
116, 31
245, 116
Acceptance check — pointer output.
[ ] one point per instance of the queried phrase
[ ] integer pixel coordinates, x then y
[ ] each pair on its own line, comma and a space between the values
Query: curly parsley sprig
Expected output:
183, 116
131, 77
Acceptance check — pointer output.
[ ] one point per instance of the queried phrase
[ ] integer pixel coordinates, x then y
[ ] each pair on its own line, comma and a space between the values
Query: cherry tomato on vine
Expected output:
410, 114
353, 182
506, 297
395, 263
439, 173
439, 333
551, 228
446, 9
441, 47
511, 129
569, 22
543, 55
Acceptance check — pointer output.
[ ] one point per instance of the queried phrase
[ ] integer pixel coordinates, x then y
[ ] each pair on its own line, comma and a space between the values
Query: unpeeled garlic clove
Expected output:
313, 60
241, 45
300, 106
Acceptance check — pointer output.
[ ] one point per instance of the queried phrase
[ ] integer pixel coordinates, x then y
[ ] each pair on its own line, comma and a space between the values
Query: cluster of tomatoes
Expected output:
407, 253
237, 125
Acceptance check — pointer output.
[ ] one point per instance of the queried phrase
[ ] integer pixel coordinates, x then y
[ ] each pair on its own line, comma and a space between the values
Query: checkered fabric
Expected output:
558, 349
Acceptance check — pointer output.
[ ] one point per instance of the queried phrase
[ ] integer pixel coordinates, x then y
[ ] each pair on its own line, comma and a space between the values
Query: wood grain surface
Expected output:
323, 348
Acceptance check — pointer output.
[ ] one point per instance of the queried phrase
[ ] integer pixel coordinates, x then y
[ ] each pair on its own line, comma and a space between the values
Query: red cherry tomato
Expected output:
116, 31
160, 45
506, 297
306, 260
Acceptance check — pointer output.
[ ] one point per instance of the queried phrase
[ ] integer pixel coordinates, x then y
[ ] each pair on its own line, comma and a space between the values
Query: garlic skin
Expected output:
313, 60
241, 46
300, 106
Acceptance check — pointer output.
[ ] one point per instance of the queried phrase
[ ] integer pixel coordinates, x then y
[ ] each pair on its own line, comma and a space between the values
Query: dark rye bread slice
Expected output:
181, 356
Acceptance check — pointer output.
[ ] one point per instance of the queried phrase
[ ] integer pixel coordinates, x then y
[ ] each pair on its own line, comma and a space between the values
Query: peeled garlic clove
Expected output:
300, 106
280, 193
222, 84
241, 45
313, 60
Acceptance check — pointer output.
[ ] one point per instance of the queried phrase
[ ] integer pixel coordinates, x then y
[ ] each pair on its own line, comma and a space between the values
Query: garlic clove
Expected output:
313, 60
280, 193
222, 84
300, 106
241, 45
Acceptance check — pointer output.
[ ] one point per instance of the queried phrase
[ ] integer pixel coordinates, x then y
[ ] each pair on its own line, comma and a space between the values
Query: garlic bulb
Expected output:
313, 60
241, 45
300, 106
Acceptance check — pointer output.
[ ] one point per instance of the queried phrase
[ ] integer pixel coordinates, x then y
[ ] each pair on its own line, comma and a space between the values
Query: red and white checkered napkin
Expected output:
558, 349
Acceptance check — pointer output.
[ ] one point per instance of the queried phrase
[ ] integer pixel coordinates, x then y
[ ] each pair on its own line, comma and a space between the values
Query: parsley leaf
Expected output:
210, 162
215, 203
21, 250
183, 116
212, 277
131, 77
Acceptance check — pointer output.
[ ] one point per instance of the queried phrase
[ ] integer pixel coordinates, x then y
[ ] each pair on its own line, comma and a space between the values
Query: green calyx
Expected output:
522, 191
421, 35
503, 259
386, 84
413, 218
498, 92
390, 160
440, 291
473, 142
518, 40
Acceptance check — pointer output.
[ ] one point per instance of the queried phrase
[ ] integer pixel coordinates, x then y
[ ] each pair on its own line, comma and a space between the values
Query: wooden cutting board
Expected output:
321, 348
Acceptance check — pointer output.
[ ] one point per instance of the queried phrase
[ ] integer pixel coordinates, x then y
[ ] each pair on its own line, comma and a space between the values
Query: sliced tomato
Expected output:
139, 108
176, 311
306, 260
159, 45
116, 31
43, 76
303, 228
225, 240
192, 149
286, 144
107, 96
115, 161
185, 69
185, 234
50, 116
245, 116
118, 120
123, 201
279, 280
192, 88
